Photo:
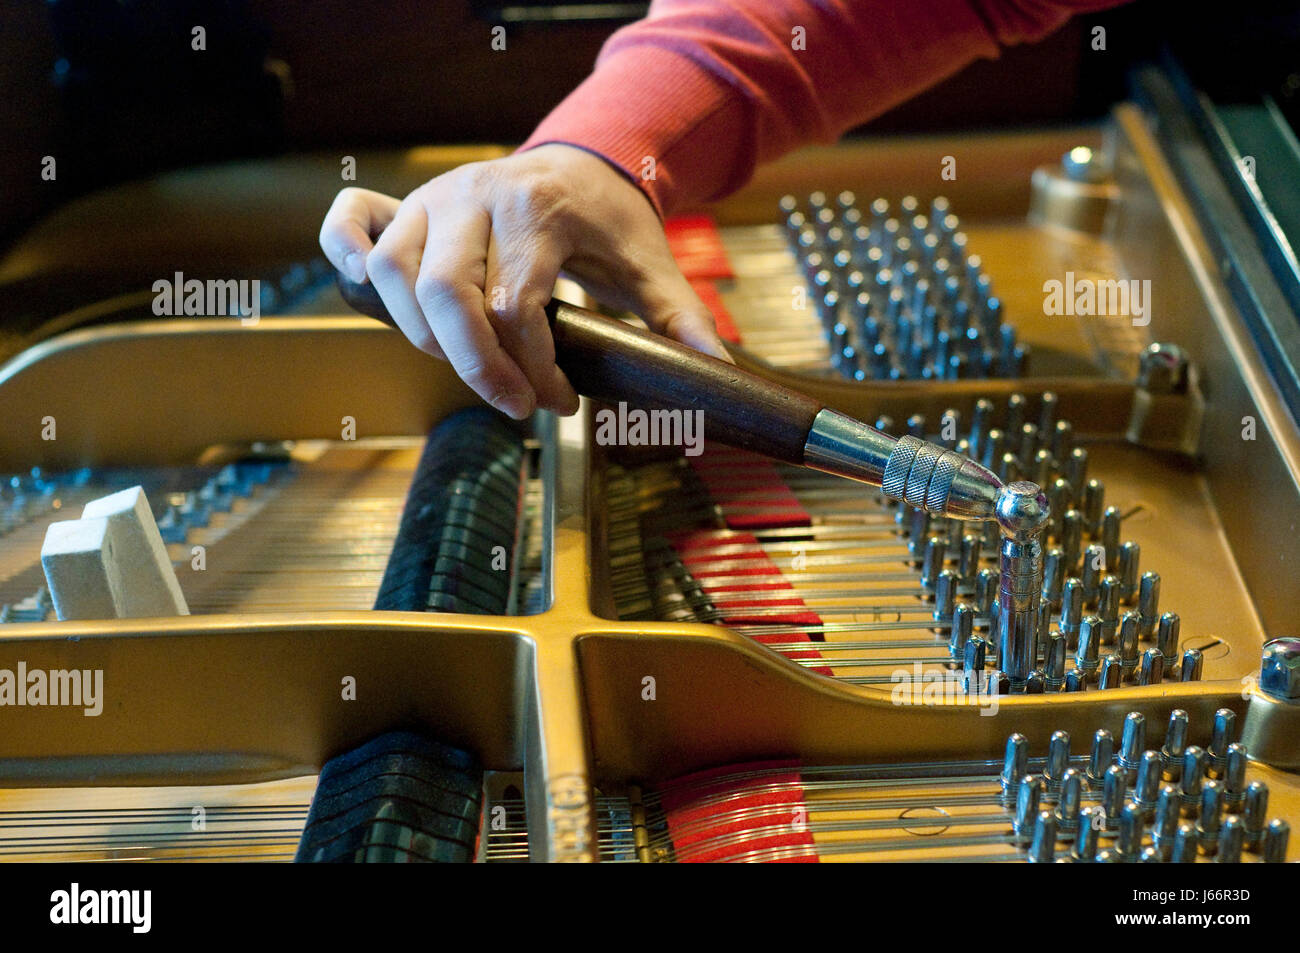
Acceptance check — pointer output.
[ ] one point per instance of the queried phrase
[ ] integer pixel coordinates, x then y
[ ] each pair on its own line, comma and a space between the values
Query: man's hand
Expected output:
466, 264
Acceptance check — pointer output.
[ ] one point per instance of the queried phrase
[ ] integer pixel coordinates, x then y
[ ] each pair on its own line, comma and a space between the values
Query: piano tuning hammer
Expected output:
613, 361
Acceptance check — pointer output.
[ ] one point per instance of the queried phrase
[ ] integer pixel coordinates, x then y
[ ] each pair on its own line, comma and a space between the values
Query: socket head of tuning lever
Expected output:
1021, 511
1279, 673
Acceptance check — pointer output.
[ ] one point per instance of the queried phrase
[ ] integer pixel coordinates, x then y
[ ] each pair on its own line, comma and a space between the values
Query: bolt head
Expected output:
1162, 369
1279, 673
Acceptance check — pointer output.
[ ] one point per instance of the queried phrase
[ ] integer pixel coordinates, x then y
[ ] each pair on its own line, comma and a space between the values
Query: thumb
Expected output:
676, 311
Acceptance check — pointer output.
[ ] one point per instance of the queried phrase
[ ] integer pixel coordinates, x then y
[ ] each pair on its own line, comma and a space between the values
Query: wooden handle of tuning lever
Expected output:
613, 361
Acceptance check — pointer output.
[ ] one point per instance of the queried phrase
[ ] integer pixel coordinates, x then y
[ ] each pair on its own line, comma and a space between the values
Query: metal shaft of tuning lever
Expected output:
614, 361
1022, 514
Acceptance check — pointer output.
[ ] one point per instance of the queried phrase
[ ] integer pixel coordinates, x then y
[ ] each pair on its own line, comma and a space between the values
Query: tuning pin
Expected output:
1255, 813
1167, 641
1210, 820
1058, 759
1112, 672
1132, 742
1149, 604
1184, 851
1113, 787
963, 619
1164, 825
1094, 496
1029, 796
1275, 841
1175, 745
1087, 655
1225, 728
1085, 844
1015, 763
1129, 555
973, 665
1147, 786
1042, 850
1103, 751
1153, 668
1128, 644
1193, 779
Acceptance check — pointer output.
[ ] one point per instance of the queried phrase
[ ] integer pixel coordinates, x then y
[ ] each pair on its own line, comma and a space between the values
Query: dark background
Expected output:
111, 88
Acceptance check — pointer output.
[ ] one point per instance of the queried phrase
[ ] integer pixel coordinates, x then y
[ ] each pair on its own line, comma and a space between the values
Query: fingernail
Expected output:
517, 406
354, 266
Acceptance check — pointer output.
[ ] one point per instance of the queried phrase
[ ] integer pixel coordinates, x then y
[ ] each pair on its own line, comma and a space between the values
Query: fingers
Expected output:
522, 266
354, 218
393, 265
449, 291
671, 307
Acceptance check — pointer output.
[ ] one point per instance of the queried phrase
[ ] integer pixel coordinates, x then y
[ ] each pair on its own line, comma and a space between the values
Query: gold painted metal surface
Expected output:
229, 696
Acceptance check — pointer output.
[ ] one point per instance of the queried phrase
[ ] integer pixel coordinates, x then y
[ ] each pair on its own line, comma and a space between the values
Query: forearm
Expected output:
687, 101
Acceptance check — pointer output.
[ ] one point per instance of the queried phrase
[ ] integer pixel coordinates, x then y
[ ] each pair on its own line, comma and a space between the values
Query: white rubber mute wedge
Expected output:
111, 563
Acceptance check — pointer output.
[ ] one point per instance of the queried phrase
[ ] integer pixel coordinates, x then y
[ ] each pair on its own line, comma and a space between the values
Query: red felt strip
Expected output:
738, 605
707, 289
763, 500
774, 802
697, 247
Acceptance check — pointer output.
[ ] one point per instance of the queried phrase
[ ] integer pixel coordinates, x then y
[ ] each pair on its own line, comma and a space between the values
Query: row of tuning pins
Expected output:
1094, 596
1170, 804
897, 291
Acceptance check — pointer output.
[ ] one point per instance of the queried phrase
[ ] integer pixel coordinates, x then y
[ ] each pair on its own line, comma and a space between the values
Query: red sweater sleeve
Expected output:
706, 89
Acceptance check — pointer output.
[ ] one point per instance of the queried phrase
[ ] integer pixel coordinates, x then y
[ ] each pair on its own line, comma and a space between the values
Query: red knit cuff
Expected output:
673, 128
